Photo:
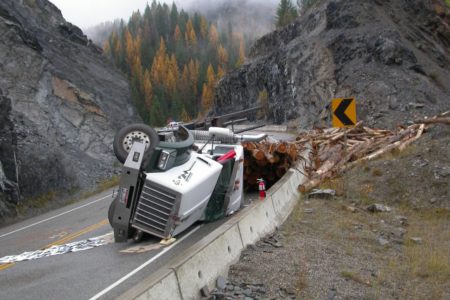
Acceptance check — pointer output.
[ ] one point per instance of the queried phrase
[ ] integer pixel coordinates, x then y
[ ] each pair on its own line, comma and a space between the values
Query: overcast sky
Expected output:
87, 13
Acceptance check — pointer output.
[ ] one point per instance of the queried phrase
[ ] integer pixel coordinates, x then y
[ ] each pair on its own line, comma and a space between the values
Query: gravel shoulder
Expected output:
336, 248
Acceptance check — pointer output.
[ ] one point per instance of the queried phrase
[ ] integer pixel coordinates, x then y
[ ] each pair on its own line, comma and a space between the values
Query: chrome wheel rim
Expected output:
134, 136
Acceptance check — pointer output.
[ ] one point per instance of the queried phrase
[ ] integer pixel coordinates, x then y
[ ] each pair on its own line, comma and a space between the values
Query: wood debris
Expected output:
333, 151
336, 150
268, 160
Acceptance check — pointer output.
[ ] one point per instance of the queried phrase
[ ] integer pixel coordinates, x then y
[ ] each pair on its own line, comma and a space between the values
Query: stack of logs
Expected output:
267, 160
332, 152
336, 150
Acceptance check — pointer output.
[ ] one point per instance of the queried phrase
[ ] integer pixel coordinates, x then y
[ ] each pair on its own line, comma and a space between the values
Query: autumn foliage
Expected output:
173, 61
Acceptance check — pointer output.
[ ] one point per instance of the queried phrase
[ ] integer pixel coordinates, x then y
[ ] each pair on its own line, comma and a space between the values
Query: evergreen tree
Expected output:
170, 58
286, 13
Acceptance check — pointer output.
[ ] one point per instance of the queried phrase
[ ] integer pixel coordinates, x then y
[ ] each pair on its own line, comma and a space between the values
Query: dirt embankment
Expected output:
337, 248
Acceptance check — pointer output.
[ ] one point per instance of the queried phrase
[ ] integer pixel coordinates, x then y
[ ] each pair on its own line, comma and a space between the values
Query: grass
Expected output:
405, 271
424, 268
41, 201
349, 275
108, 183
101, 186
44, 200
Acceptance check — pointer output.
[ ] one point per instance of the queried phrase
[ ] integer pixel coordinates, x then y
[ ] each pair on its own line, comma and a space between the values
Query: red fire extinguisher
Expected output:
262, 189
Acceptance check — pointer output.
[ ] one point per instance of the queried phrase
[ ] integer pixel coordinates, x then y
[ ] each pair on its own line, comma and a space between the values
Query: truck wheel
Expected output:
125, 138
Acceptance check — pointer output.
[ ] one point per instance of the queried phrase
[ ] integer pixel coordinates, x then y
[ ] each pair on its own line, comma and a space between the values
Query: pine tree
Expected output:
159, 65
177, 34
241, 57
286, 13
190, 36
194, 69
207, 97
107, 49
210, 76
220, 72
222, 57
213, 36
184, 116
170, 58
147, 90
173, 17
203, 27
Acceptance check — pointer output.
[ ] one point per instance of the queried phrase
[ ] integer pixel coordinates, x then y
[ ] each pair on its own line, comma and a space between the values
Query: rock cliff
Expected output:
60, 105
391, 55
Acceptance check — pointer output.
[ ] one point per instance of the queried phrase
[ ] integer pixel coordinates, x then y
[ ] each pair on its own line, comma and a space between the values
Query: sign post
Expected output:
344, 116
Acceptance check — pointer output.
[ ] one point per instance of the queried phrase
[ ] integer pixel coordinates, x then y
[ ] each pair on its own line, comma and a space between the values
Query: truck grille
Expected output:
153, 210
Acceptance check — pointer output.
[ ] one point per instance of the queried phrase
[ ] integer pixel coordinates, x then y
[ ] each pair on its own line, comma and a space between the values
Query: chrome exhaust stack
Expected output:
225, 135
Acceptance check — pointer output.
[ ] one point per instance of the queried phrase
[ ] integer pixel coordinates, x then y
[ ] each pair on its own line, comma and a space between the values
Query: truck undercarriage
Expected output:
175, 177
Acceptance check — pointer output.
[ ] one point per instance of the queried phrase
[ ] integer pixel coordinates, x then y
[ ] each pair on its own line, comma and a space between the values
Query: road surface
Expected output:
102, 272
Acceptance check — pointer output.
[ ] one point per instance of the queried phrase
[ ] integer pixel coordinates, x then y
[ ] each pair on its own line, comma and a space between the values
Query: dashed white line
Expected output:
109, 288
56, 216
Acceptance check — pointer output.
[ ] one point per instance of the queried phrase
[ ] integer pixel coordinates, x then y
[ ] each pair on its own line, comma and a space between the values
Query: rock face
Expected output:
60, 105
392, 56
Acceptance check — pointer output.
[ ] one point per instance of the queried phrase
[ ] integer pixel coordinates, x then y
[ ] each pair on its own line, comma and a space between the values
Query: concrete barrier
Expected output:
258, 222
203, 262
167, 282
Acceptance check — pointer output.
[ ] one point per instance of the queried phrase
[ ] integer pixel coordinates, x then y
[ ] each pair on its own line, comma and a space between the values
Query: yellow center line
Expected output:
6, 266
65, 239
74, 235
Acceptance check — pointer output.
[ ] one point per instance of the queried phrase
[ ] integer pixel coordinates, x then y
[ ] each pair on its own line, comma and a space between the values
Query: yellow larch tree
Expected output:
222, 57
220, 72
194, 70
241, 58
190, 36
213, 36
147, 90
210, 76
207, 97
159, 65
203, 27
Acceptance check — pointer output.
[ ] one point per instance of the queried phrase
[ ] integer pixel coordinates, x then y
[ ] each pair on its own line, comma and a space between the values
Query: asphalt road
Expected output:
102, 272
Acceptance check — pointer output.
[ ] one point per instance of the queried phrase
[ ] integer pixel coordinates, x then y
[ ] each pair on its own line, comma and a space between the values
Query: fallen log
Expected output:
258, 154
441, 120
408, 142
281, 148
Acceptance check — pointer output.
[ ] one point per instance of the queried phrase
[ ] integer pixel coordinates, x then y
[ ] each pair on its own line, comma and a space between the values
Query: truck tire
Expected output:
126, 136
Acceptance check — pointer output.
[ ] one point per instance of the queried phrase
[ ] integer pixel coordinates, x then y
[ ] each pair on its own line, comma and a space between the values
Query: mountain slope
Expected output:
60, 104
392, 56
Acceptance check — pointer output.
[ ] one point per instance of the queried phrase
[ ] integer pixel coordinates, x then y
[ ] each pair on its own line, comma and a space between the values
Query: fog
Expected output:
88, 13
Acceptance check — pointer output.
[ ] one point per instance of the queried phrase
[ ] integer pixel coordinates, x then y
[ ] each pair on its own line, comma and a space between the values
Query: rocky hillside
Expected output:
392, 56
60, 105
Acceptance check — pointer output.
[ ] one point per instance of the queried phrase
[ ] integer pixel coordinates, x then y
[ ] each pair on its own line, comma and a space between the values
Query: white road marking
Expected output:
109, 288
77, 246
58, 215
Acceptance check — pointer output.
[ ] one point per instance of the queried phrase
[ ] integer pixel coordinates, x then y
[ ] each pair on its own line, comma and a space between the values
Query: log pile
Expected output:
268, 160
332, 152
336, 150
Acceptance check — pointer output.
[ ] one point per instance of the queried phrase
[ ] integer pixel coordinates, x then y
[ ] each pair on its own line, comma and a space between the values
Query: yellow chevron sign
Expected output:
344, 112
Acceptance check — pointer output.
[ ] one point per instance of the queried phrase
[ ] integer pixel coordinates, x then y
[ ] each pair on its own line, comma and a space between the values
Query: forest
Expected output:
173, 60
